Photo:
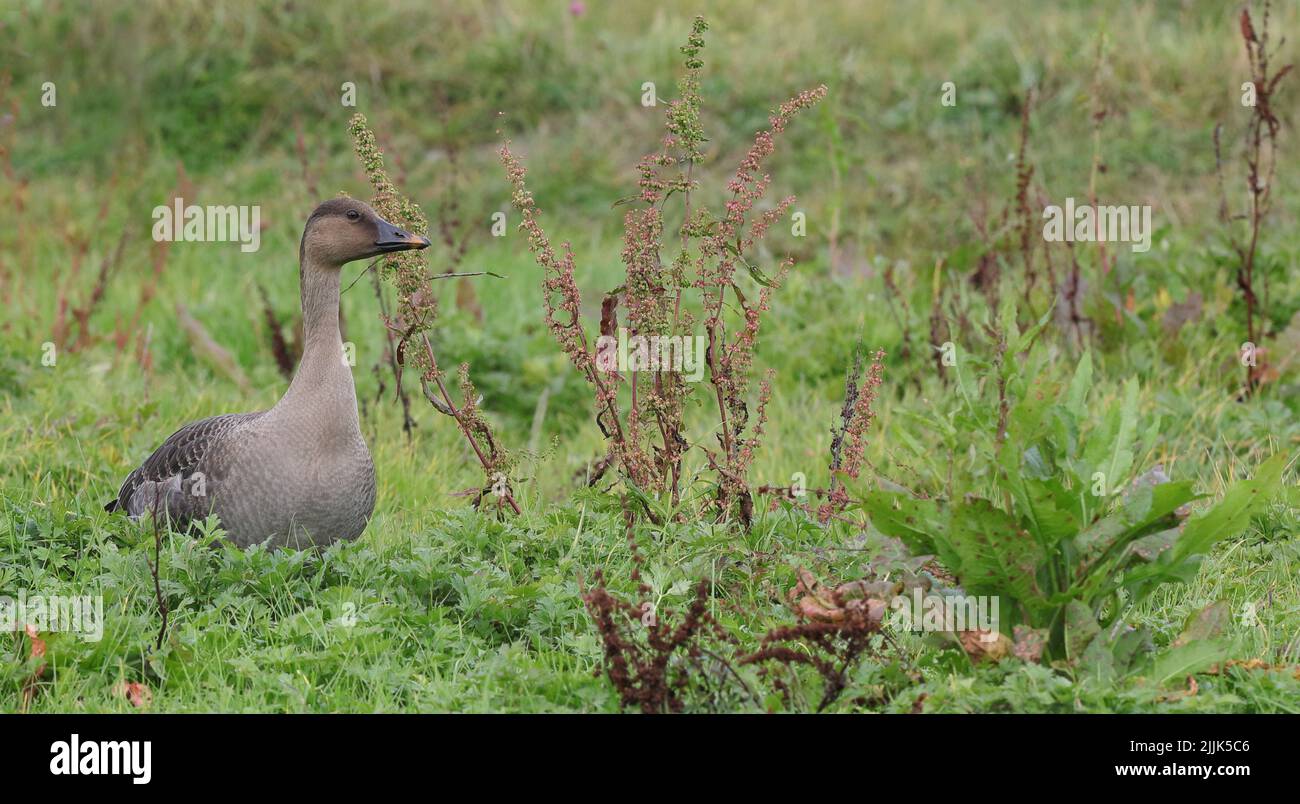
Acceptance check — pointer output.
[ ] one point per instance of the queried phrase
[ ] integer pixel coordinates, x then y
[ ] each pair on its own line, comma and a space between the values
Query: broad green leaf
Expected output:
1044, 506
1232, 514
1121, 459
1098, 659
1128, 646
915, 522
1150, 547
1188, 659
1100, 536
1081, 629
1144, 507
1140, 579
1207, 623
1165, 499
1065, 436
1114, 529
1049, 508
1025, 422
1035, 465
995, 555
1079, 387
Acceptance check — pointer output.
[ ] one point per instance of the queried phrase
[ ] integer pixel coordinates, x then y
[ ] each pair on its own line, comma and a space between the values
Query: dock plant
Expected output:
671, 292
1064, 524
416, 311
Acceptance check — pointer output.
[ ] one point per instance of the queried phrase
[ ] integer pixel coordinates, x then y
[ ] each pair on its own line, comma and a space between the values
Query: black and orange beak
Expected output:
393, 238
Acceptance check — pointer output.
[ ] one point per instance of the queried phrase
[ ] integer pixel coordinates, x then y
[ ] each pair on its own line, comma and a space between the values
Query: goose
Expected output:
299, 474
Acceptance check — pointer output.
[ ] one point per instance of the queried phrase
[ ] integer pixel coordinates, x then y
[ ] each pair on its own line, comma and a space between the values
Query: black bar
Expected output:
218, 752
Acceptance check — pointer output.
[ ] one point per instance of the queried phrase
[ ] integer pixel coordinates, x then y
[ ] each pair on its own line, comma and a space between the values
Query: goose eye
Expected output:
353, 215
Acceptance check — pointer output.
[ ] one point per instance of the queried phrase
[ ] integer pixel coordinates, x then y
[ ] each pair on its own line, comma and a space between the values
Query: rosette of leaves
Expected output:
1071, 539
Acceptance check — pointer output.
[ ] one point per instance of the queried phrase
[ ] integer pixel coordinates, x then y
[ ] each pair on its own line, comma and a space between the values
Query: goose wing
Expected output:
178, 457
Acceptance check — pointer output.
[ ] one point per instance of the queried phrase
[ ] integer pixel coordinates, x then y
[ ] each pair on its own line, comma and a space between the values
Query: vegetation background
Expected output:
239, 103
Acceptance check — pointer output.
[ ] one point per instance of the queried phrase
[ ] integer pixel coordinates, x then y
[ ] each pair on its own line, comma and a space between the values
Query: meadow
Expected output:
1014, 370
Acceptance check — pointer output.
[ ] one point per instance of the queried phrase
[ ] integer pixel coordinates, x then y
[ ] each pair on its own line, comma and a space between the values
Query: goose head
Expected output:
343, 229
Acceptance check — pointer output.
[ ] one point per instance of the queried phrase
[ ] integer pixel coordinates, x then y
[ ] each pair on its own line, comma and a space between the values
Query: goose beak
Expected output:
393, 238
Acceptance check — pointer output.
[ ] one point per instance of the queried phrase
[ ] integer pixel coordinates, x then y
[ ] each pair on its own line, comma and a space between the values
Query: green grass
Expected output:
438, 607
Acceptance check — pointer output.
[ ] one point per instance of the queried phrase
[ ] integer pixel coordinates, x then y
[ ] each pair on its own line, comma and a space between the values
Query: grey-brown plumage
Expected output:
300, 473
175, 462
